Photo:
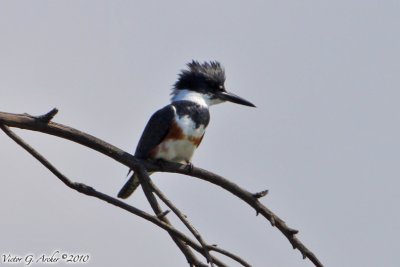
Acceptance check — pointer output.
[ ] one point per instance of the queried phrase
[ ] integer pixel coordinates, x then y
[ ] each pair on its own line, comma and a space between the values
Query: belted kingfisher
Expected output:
175, 131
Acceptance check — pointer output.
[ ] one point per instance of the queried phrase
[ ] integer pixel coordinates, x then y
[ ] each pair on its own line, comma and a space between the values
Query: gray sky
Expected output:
324, 138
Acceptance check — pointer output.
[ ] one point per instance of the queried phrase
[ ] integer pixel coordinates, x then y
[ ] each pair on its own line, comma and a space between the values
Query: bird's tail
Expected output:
129, 187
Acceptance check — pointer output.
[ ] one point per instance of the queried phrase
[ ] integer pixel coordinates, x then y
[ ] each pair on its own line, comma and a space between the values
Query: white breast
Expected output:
181, 150
176, 151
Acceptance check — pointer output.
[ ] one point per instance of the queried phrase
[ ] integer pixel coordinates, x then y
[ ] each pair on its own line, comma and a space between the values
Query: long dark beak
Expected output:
234, 99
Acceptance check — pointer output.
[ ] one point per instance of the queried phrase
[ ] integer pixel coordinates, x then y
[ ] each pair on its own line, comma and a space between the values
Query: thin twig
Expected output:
230, 255
143, 178
183, 219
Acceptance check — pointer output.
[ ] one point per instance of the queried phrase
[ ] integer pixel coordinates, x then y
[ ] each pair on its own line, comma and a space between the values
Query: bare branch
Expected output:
230, 255
249, 198
163, 214
29, 123
183, 219
144, 181
87, 190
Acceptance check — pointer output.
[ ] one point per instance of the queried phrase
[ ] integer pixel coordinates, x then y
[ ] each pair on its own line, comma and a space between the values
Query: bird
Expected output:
175, 131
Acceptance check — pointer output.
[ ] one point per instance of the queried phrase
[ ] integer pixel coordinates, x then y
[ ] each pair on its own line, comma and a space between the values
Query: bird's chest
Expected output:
183, 138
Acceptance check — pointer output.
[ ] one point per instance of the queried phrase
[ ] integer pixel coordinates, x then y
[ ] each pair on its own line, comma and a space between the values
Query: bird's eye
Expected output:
221, 87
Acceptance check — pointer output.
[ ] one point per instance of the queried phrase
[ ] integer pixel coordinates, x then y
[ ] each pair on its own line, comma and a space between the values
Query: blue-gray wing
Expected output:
155, 131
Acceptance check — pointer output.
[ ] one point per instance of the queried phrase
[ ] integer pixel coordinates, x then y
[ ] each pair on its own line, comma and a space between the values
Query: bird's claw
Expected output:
189, 166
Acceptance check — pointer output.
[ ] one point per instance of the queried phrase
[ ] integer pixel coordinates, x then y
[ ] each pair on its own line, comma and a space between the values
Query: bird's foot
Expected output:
189, 166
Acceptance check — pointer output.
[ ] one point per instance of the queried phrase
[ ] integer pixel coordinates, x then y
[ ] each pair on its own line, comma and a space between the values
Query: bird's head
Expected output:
206, 81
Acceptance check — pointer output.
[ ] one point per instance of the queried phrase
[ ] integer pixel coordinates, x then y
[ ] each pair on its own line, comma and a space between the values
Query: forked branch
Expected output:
90, 191
43, 124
